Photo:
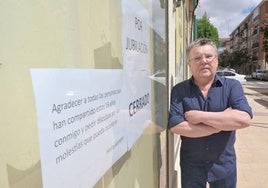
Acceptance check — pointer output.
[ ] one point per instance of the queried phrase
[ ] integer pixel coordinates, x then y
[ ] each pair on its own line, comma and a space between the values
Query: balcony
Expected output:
255, 45
255, 32
254, 58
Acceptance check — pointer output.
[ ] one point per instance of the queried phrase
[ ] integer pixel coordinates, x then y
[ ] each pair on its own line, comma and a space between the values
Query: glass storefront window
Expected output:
84, 93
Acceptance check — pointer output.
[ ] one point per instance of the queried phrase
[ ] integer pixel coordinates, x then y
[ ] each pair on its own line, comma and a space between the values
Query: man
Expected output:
206, 110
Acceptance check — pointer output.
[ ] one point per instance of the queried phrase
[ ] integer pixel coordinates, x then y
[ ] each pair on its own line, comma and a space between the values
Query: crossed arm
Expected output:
200, 123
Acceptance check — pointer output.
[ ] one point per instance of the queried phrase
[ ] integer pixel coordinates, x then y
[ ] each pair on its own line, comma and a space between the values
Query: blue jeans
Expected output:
196, 177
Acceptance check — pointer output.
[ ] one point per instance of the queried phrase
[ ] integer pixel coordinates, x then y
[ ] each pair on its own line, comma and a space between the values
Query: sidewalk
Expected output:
252, 145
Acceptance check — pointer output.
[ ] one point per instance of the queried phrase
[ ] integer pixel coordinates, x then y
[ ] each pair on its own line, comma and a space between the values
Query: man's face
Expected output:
203, 62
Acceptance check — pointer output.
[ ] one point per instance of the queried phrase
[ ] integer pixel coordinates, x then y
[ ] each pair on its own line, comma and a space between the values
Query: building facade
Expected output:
85, 92
248, 36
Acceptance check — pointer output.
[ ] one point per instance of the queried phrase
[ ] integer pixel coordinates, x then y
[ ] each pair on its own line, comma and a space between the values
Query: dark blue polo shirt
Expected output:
215, 152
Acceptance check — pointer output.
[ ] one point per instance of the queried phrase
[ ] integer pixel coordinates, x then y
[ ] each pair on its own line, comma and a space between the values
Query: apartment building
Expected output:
224, 45
248, 36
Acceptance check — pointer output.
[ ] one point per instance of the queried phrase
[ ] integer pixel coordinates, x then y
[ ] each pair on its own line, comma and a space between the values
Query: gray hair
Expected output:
201, 42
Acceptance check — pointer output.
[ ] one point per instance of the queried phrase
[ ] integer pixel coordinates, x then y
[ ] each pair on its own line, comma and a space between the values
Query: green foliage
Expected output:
206, 30
224, 59
234, 59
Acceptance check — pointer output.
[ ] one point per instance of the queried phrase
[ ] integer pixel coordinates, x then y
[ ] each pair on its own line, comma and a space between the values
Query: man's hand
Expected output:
227, 120
193, 116
196, 116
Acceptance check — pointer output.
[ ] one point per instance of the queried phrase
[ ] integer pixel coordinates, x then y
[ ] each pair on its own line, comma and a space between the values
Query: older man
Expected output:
206, 110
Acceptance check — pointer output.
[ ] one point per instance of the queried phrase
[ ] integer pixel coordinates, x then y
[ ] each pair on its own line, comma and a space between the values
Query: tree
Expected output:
240, 57
225, 59
206, 30
234, 59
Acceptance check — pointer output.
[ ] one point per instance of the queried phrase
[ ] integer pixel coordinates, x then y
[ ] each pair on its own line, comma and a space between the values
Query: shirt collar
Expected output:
217, 81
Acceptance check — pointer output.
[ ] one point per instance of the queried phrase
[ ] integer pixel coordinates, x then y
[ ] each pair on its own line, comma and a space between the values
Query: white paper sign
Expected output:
136, 63
80, 132
87, 119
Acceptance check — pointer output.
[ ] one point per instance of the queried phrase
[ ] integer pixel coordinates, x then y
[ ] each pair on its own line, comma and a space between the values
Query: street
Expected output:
260, 89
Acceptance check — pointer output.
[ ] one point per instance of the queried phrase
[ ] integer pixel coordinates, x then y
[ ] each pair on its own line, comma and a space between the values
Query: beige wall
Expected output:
180, 34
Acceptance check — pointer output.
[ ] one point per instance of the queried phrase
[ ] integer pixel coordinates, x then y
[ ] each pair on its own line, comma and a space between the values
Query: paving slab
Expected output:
252, 145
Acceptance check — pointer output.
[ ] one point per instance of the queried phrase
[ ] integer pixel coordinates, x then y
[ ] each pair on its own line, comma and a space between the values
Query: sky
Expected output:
226, 15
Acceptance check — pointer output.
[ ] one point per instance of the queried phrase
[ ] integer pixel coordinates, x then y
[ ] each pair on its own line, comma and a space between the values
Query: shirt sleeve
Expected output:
176, 112
238, 99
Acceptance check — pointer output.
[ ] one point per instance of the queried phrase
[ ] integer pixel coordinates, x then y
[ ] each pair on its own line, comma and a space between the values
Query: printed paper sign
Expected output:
80, 130
136, 63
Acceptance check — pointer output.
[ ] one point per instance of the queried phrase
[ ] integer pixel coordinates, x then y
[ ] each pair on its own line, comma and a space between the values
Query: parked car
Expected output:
264, 76
257, 74
233, 75
253, 75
